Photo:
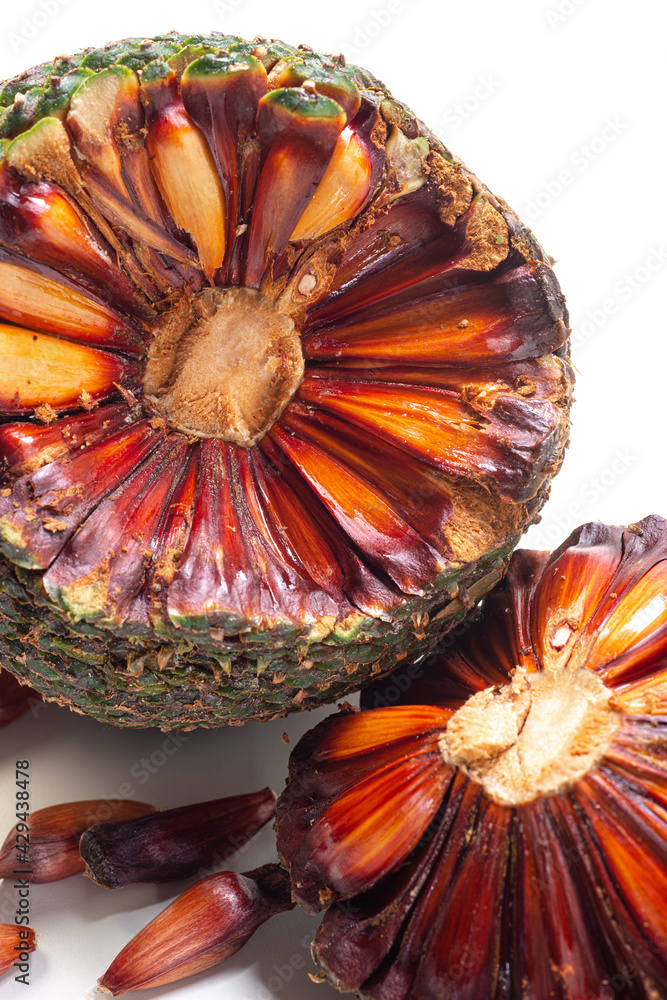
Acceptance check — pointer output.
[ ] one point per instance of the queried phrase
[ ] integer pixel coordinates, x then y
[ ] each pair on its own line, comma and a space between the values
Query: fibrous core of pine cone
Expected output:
498, 827
282, 383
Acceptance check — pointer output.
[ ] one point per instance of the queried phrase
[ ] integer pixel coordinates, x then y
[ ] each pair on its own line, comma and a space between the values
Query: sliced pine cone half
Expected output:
281, 381
500, 831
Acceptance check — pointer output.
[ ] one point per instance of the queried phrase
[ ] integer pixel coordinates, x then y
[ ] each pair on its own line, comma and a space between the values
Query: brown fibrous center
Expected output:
224, 364
534, 737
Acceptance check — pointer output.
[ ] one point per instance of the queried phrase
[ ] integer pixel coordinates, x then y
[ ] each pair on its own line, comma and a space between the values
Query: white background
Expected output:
558, 105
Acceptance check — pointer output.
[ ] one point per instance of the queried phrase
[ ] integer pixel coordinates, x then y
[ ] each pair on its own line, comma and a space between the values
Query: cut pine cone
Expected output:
283, 384
501, 830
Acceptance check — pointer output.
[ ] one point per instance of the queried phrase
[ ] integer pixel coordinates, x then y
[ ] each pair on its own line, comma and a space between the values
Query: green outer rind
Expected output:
40, 85
137, 53
43, 94
118, 679
292, 99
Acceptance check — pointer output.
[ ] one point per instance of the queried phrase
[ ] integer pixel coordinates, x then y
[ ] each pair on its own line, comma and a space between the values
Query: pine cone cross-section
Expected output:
498, 828
281, 383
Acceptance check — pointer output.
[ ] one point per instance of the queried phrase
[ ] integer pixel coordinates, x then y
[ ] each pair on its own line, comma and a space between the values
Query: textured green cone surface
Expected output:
183, 684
